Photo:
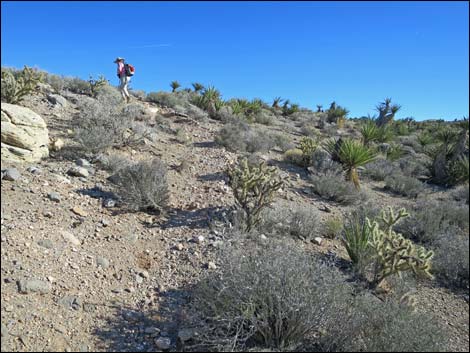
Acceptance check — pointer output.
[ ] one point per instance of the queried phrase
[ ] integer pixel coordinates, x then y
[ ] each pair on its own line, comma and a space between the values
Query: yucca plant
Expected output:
197, 87
425, 138
386, 111
276, 102
355, 238
319, 108
175, 85
384, 134
351, 154
369, 132
395, 152
459, 171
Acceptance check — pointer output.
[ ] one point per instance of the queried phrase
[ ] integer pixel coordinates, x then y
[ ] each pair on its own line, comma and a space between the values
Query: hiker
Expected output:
123, 78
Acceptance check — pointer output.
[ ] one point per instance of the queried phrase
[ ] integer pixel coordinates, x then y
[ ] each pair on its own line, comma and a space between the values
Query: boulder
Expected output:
24, 134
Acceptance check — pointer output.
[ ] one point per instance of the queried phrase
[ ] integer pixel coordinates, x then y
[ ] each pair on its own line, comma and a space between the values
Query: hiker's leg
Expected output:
121, 86
125, 86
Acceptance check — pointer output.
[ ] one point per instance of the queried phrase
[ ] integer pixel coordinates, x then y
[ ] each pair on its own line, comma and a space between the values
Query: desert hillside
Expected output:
182, 221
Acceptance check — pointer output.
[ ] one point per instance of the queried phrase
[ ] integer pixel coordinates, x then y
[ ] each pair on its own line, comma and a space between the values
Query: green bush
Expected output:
333, 227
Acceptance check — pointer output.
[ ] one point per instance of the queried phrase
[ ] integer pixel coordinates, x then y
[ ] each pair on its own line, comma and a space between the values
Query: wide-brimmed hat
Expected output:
118, 59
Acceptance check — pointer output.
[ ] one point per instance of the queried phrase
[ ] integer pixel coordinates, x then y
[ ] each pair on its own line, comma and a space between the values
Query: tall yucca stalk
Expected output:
351, 154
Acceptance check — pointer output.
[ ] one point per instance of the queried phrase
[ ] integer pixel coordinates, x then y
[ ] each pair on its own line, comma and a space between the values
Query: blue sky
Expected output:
355, 53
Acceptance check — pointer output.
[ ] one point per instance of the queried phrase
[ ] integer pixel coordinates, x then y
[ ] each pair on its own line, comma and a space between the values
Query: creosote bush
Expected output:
269, 295
332, 187
143, 185
241, 137
404, 185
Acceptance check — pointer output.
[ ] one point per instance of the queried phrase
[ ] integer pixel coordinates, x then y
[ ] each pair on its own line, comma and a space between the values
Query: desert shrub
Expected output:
309, 129
97, 84
298, 221
17, 85
143, 185
254, 188
430, 219
451, 262
332, 187
103, 124
332, 227
241, 137
136, 111
321, 163
379, 169
461, 193
58, 83
163, 98
294, 156
195, 112
183, 137
414, 166
139, 94
281, 141
265, 117
371, 325
77, 85
269, 295
404, 185
113, 162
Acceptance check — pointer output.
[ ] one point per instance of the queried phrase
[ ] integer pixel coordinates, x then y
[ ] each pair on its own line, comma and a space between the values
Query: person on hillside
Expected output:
123, 78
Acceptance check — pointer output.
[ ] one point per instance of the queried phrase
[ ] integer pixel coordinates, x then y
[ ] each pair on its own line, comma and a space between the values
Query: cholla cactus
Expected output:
393, 253
254, 188
14, 90
95, 85
308, 146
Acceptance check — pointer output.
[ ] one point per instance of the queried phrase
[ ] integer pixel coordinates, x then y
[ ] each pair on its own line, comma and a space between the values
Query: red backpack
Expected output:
130, 70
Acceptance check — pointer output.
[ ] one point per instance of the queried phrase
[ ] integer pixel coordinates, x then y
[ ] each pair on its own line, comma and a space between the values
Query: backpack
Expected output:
130, 70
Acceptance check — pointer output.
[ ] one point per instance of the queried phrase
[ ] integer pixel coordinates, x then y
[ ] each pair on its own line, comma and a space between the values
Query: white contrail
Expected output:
151, 46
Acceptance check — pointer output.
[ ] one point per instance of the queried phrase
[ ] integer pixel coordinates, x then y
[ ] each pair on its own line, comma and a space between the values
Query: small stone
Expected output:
144, 274
317, 240
263, 237
54, 196
34, 170
185, 335
70, 238
105, 222
139, 279
102, 262
179, 246
108, 203
198, 239
211, 265
78, 172
57, 144
46, 243
11, 174
79, 211
130, 290
152, 331
47, 214
82, 163
70, 302
117, 290
33, 286
163, 343
62, 179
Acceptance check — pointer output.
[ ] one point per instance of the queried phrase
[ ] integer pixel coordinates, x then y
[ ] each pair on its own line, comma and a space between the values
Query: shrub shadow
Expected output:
205, 144
135, 329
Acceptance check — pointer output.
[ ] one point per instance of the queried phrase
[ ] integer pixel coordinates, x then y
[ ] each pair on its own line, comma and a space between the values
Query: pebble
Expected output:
70, 238
34, 170
79, 211
163, 343
78, 172
33, 286
144, 274
11, 174
211, 265
54, 196
317, 240
102, 262
46, 243
82, 163
47, 214
179, 246
108, 203
185, 335
139, 279
152, 330
70, 302
263, 237
198, 239
62, 179
105, 222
